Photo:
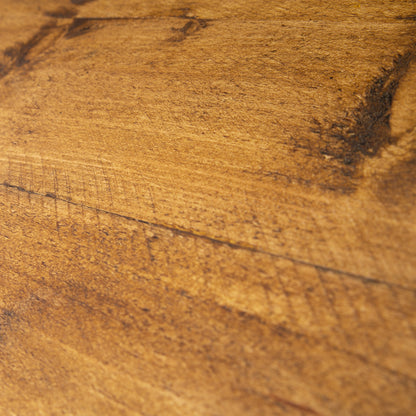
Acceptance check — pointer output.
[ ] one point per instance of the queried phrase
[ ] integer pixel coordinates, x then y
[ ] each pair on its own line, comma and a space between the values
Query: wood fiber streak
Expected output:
207, 208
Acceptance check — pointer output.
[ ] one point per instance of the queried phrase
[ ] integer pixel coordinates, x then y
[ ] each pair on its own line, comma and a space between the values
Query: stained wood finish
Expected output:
207, 208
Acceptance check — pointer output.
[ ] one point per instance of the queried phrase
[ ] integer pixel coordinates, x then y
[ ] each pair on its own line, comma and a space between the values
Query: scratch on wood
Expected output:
193, 234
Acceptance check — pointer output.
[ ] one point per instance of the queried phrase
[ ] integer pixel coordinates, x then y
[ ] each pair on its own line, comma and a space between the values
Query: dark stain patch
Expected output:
365, 130
62, 13
80, 2
396, 188
17, 56
185, 294
81, 26
190, 27
411, 17
7, 317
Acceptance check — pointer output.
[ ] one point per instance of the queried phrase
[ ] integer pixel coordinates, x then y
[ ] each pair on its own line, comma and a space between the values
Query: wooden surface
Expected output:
207, 207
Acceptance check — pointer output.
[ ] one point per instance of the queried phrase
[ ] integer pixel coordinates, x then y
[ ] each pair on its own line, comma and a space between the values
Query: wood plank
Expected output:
184, 143
372, 10
207, 208
251, 329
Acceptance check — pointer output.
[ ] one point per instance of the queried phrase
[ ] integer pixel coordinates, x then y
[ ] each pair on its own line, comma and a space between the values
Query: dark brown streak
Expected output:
215, 240
17, 56
193, 25
409, 17
80, 27
80, 2
62, 13
132, 18
365, 130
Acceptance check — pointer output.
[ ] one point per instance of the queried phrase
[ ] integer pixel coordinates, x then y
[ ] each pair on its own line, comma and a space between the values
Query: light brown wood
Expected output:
207, 208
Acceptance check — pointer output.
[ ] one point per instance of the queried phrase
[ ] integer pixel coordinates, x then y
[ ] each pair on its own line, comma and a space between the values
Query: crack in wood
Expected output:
214, 240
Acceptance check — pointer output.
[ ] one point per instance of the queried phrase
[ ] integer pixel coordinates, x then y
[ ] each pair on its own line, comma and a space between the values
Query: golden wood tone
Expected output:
207, 208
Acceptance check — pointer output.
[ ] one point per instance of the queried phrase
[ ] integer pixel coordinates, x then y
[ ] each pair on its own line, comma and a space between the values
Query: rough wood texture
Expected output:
207, 208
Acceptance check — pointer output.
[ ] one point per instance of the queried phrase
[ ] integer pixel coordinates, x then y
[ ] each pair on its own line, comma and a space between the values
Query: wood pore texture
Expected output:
207, 207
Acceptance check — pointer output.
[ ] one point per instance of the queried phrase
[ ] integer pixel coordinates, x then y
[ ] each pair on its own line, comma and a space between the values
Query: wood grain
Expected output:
207, 208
